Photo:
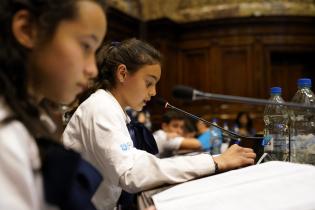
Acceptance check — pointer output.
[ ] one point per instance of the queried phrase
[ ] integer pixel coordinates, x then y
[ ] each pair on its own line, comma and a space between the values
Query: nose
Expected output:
153, 91
91, 70
179, 131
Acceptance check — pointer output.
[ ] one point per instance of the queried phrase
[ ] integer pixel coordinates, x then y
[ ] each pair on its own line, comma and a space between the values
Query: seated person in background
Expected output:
170, 137
245, 124
144, 118
209, 137
190, 130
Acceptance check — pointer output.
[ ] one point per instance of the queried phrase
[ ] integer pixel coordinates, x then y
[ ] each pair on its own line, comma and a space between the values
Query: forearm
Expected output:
149, 171
190, 143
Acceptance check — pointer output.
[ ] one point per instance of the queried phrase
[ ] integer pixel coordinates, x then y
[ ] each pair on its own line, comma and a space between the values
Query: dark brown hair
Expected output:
249, 124
45, 15
133, 53
172, 115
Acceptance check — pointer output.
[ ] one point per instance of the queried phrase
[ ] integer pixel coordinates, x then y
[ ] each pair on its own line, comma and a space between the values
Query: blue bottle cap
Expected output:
275, 90
305, 82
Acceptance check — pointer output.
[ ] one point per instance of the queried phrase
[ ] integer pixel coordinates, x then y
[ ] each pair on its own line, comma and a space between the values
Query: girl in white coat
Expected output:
47, 50
128, 75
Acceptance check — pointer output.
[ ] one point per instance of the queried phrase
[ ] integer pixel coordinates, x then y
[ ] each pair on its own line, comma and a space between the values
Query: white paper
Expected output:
272, 185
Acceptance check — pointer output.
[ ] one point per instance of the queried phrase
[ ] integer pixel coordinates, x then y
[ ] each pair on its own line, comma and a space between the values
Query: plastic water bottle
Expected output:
216, 138
276, 118
303, 125
226, 126
225, 138
236, 129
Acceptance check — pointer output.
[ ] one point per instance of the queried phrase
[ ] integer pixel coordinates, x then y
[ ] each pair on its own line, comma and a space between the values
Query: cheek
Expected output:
136, 89
172, 128
67, 64
59, 73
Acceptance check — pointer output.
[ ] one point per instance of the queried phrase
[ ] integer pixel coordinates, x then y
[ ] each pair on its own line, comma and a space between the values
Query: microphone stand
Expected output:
198, 95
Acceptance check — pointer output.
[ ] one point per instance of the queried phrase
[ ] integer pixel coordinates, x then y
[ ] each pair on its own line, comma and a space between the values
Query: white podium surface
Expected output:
273, 185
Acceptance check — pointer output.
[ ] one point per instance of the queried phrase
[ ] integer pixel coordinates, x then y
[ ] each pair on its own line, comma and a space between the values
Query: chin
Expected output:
63, 100
68, 101
138, 109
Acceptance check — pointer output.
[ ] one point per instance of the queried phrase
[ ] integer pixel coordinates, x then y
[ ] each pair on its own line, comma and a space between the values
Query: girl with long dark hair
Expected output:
129, 72
47, 50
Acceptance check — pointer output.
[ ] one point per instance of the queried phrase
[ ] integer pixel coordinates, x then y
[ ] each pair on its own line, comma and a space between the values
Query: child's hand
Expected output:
235, 157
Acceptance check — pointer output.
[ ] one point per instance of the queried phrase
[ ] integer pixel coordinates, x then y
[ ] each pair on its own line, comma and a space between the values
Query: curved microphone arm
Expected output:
169, 106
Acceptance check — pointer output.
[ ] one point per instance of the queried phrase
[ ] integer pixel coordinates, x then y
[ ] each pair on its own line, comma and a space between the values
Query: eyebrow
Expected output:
154, 77
92, 37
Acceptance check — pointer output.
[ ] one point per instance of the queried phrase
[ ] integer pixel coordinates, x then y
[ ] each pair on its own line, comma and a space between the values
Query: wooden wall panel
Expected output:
258, 69
170, 69
286, 66
121, 26
240, 56
236, 76
195, 71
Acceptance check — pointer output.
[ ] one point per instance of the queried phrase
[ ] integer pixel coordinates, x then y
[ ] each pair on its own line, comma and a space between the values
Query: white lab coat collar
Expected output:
126, 117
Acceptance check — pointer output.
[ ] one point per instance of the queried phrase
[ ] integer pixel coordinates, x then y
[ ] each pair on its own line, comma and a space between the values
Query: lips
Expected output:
83, 86
146, 101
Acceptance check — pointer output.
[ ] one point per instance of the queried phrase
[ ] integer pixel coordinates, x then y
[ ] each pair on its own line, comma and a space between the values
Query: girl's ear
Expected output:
122, 73
23, 29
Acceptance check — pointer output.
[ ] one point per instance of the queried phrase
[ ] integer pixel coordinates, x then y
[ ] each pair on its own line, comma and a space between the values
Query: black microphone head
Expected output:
183, 92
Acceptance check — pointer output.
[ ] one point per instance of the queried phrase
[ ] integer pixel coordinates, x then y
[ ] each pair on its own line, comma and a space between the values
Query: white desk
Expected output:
268, 186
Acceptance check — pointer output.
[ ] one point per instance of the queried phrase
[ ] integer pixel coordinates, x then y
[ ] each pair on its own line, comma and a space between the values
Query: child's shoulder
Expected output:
13, 134
100, 103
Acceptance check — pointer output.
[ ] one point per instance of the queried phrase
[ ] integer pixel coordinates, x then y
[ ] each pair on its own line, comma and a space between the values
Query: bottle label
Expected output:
269, 146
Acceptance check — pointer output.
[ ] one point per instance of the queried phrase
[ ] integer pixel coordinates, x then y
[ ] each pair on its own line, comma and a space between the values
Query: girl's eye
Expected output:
86, 47
148, 84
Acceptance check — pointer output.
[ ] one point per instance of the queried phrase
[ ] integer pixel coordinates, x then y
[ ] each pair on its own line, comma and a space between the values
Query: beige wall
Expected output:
194, 10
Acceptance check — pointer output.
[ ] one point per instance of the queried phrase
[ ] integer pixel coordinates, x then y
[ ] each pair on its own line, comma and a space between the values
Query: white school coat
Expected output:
20, 179
98, 131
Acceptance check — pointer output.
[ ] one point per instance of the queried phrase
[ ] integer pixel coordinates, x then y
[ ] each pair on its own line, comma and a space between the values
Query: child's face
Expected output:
141, 117
243, 120
138, 88
62, 68
174, 126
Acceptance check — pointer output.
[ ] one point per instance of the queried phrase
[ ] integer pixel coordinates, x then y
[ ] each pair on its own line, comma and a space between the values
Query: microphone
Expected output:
167, 105
187, 93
